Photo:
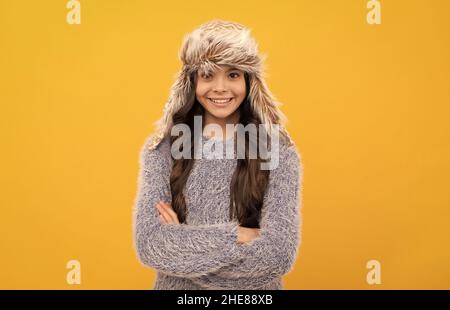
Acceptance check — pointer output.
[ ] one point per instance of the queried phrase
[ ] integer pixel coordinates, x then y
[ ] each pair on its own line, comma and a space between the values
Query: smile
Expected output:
220, 100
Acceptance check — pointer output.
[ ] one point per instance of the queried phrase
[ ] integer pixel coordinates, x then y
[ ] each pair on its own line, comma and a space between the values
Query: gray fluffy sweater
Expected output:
203, 253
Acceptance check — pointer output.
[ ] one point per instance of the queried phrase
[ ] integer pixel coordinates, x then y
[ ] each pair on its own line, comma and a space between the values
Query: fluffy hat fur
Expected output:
221, 43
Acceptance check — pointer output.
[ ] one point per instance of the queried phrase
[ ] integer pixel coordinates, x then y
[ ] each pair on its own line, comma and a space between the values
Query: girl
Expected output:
209, 223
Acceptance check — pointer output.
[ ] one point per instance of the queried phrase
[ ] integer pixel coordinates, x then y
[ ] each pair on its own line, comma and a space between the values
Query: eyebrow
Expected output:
232, 69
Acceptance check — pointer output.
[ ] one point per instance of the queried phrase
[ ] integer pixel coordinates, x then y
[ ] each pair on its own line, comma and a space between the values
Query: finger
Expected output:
172, 213
161, 211
164, 214
169, 211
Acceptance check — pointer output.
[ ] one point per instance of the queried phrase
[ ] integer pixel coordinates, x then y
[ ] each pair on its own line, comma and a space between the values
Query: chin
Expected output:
220, 114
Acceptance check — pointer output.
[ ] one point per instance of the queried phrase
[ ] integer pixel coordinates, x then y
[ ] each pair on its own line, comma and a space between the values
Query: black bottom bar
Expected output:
211, 299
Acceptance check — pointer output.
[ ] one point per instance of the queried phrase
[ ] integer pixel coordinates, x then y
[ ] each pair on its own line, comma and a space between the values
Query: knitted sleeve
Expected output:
178, 250
274, 252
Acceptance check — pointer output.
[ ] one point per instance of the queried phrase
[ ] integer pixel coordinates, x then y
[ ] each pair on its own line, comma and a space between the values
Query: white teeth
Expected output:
220, 100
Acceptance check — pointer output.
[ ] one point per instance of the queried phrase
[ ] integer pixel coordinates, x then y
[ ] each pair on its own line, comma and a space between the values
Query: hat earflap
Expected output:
266, 107
179, 94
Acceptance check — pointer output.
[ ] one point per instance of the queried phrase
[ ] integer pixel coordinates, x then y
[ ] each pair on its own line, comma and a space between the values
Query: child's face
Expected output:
226, 84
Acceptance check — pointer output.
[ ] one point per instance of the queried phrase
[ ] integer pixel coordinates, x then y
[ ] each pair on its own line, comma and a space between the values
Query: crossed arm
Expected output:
168, 216
224, 256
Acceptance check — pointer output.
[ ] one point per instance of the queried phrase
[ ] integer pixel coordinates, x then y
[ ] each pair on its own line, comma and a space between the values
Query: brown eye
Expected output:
234, 75
206, 76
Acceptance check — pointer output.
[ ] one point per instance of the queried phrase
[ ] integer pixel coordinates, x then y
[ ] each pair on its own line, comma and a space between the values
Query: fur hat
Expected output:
213, 44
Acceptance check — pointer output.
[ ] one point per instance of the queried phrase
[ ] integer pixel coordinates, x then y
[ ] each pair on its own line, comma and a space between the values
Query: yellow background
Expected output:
367, 105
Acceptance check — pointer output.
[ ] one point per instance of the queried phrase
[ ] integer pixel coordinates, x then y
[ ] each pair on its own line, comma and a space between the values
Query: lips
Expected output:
220, 101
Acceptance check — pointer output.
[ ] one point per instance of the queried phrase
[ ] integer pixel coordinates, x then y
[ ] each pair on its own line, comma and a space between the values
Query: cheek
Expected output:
201, 89
239, 90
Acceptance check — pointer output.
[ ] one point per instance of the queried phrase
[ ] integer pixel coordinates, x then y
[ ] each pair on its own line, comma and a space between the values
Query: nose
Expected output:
219, 85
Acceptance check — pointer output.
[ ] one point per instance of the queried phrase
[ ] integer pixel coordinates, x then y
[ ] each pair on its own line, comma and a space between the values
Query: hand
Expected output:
246, 235
166, 213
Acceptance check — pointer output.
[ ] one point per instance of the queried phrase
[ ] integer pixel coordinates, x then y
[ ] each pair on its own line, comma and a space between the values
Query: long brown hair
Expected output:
248, 183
